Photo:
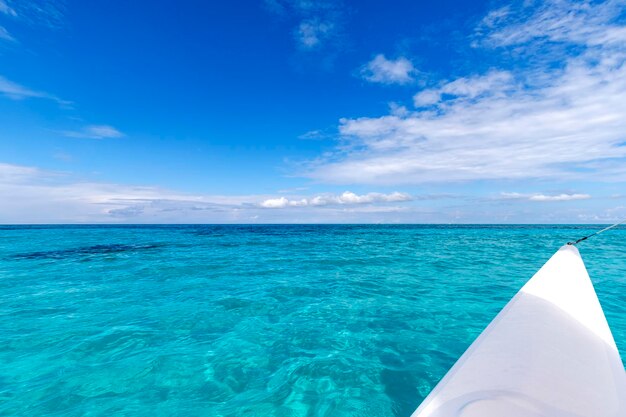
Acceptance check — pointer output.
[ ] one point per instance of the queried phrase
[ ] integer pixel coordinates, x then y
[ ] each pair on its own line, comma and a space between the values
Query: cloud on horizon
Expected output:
545, 197
347, 198
35, 195
558, 116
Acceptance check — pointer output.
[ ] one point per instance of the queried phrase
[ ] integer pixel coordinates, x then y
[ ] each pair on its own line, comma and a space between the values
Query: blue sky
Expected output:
280, 111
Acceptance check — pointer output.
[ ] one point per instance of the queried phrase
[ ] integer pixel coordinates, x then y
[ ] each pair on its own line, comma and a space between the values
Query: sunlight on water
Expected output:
261, 320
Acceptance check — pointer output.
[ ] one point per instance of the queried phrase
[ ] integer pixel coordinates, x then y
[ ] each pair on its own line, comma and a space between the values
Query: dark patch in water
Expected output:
86, 251
400, 388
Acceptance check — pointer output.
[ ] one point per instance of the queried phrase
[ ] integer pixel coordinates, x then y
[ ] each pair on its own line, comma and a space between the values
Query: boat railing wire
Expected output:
597, 233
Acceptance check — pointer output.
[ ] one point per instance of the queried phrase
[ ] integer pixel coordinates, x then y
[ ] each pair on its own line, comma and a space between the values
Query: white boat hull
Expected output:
548, 353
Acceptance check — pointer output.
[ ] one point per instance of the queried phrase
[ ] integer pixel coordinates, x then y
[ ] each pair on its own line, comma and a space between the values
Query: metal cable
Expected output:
596, 233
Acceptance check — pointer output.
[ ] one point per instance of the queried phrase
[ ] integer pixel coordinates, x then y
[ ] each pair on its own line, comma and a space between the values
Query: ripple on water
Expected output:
293, 321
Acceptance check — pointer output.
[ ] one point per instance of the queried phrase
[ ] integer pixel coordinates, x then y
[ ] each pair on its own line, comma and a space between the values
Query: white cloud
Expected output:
94, 132
494, 83
544, 197
427, 97
35, 195
577, 22
316, 22
43, 13
609, 215
16, 174
495, 17
5, 35
16, 91
317, 135
312, 32
282, 202
388, 71
6, 9
559, 122
347, 198
559, 197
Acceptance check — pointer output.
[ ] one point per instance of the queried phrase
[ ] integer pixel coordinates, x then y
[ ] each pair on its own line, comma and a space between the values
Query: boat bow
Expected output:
548, 353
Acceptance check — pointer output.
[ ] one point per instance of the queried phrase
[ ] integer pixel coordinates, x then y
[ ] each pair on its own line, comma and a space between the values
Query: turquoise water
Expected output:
261, 320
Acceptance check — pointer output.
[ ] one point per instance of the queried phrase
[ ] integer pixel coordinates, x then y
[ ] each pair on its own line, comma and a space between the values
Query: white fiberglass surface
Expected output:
548, 353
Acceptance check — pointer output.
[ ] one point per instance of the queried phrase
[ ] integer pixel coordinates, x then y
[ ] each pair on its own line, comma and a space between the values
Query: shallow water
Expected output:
261, 320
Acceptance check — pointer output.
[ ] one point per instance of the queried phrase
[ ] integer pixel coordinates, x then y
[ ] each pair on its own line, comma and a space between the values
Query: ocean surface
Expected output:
289, 321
